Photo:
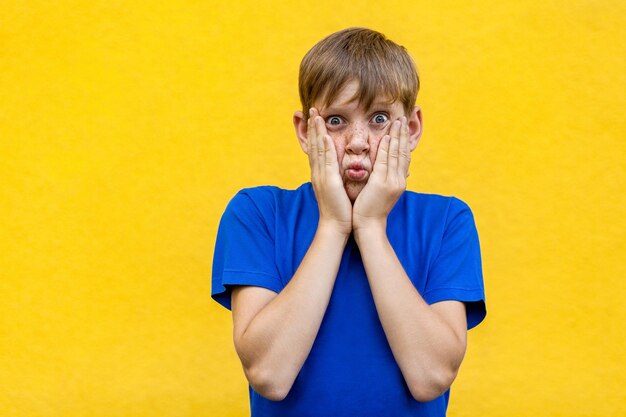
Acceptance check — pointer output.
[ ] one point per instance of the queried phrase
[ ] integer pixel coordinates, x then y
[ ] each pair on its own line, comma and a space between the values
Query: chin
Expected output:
353, 190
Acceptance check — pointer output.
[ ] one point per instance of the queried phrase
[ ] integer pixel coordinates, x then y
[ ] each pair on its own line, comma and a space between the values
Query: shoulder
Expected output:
272, 192
434, 199
436, 205
256, 194
267, 198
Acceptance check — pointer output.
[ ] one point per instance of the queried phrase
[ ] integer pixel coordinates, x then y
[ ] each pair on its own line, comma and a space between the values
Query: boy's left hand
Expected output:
388, 180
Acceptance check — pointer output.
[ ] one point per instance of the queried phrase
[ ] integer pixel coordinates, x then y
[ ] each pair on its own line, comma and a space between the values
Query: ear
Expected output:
300, 124
415, 127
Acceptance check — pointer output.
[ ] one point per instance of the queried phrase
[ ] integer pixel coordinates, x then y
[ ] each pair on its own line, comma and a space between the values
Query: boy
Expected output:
350, 295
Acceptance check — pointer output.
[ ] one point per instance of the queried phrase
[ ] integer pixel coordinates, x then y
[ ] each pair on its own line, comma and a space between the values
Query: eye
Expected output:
334, 120
380, 118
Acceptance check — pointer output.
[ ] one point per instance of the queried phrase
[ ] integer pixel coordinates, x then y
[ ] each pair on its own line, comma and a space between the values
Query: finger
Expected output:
380, 165
312, 145
331, 162
404, 158
308, 135
321, 150
394, 146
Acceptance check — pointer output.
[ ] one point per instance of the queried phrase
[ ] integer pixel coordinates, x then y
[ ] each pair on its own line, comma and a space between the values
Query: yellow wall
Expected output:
125, 128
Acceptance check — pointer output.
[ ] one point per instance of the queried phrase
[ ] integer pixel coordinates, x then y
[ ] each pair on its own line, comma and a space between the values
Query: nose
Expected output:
358, 139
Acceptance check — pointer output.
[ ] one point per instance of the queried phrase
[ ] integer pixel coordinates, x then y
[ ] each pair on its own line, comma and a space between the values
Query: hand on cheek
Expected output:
334, 205
388, 179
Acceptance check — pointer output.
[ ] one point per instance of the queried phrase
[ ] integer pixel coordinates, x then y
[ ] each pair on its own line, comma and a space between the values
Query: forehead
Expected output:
347, 98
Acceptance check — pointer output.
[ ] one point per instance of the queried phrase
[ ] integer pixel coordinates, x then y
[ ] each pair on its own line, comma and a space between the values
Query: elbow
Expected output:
266, 384
264, 380
271, 392
425, 393
436, 384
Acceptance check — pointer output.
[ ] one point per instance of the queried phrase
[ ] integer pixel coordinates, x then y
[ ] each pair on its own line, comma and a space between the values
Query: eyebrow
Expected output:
382, 105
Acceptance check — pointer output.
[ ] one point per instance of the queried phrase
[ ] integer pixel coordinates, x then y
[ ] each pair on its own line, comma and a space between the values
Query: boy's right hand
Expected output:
334, 205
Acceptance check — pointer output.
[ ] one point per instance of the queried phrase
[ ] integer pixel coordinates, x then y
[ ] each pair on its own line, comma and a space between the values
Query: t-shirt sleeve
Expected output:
244, 250
456, 273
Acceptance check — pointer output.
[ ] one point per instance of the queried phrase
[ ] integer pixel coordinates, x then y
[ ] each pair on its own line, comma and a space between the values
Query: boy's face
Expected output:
356, 133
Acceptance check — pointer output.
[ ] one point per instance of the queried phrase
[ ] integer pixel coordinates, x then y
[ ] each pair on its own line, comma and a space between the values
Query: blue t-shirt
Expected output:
262, 238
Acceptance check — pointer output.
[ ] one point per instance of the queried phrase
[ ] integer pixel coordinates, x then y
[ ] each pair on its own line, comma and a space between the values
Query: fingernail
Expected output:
311, 112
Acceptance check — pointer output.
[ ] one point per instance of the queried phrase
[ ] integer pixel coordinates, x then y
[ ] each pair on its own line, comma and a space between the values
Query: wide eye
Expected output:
380, 118
334, 120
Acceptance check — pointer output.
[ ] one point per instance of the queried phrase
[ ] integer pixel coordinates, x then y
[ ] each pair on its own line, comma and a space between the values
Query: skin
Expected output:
355, 132
274, 333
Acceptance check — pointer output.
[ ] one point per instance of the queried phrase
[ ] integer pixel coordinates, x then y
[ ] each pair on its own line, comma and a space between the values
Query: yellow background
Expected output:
126, 127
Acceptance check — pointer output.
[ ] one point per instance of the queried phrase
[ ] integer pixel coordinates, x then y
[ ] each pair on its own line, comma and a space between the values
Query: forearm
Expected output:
426, 348
278, 340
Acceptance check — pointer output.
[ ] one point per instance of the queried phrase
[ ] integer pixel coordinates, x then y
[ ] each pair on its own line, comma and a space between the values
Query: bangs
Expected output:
375, 83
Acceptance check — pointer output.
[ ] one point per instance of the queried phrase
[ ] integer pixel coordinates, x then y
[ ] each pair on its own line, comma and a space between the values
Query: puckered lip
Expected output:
356, 166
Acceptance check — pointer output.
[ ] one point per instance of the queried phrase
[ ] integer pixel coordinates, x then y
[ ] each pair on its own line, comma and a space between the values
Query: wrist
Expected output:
370, 231
333, 230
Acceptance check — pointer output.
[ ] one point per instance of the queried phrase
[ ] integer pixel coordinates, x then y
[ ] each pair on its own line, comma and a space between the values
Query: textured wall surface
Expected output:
125, 128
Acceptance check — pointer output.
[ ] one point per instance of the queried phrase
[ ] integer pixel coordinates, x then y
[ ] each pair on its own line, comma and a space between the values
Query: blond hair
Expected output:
381, 67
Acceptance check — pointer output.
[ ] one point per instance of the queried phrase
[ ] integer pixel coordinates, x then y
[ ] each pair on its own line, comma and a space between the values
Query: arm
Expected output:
428, 342
273, 333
